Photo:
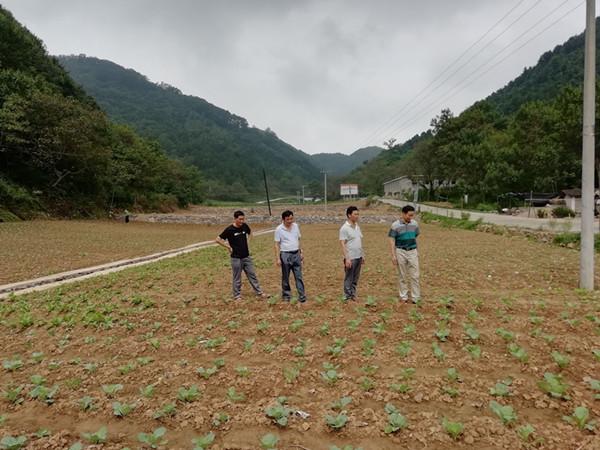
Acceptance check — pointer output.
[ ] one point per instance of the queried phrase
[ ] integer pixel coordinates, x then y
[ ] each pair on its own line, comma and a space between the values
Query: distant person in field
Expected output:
354, 257
403, 243
236, 238
126, 216
289, 256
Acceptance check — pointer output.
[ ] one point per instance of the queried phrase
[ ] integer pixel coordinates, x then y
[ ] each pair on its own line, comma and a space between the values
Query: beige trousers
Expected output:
408, 269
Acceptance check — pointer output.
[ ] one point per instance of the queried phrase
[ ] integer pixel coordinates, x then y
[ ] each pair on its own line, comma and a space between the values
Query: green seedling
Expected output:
554, 386
334, 351
454, 429
122, 409
596, 354
340, 342
595, 384
219, 362
269, 348
43, 393
296, 325
452, 392
233, 396
331, 376
580, 417
442, 333
406, 374
525, 434
505, 413
188, 395
336, 422
506, 335
112, 389
370, 301
154, 439
396, 422
324, 330
367, 384
368, 346
438, 352
14, 395
339, 406
518, 352
263, 325
299, 351
379, 327
144, 361
279, 413
99, 437
452, 374
243, 371
561, 360
409, 329
220, 418
12, 443
3, 418
369, 369
404, 347
38, 357
206, 373
42, 432
168, 410
290, 375
148, 391
401, 388
269, 441
91, 367
501, 389
472, 333
124, 370
473, 350
13, 364
203, 442
86, 404
248, 345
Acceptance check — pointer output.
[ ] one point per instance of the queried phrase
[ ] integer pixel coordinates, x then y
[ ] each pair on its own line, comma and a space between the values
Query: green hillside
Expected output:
61, 156
229, 153
340, 164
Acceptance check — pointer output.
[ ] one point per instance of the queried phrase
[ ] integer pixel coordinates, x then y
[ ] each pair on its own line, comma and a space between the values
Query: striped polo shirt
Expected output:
405, 233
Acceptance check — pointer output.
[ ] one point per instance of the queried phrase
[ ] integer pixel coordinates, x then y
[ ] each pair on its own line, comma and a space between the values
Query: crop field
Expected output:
503, 351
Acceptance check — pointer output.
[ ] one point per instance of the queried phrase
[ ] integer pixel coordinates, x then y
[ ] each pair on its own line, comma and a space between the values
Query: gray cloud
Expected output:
325, 75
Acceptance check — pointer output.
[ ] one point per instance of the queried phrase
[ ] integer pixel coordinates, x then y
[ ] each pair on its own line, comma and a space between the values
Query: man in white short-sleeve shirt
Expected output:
354, 257
289, 256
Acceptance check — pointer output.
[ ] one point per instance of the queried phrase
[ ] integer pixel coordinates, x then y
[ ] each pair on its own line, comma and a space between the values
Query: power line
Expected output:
378, 133
423, 112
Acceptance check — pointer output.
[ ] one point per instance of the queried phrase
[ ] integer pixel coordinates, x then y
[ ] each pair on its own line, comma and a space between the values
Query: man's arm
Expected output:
224, 243
393, 248
347, 260
277, 256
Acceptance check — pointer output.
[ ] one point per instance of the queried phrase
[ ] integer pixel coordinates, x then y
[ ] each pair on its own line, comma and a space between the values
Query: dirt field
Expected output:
495, 309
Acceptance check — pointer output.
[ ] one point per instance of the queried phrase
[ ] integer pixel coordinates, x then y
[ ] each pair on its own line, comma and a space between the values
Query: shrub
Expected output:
562, 211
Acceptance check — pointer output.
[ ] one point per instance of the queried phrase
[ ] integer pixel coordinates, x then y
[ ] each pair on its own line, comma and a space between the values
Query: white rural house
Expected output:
398, 187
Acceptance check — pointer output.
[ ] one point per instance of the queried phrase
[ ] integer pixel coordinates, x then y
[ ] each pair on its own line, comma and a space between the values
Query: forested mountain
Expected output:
60, 155
230, 154
524, 137
340, 164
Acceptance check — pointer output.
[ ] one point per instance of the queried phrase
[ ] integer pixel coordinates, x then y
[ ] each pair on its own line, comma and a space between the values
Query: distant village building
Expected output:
399, 187
403, 187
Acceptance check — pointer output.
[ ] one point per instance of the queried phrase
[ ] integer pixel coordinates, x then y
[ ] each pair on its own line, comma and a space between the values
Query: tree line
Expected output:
61, 155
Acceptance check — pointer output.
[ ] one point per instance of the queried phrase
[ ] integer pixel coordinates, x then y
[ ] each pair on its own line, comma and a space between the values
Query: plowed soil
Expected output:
159, 324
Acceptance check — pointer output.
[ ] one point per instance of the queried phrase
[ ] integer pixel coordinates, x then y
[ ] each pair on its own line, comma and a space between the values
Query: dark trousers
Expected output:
351, 278
291, 262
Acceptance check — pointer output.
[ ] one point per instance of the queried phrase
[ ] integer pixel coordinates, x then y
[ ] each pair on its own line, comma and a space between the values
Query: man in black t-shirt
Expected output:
236, 238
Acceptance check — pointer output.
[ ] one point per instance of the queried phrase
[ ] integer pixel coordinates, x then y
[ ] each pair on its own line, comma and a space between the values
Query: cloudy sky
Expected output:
325, 75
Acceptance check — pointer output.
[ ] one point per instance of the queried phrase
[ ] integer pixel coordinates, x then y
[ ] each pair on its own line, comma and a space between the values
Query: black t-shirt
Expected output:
237, 238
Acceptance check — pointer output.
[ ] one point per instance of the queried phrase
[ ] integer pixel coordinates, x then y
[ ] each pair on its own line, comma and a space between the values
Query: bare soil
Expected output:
158, 324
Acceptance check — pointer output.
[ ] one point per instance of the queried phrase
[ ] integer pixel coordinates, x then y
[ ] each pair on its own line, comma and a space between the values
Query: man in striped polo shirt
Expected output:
403, 243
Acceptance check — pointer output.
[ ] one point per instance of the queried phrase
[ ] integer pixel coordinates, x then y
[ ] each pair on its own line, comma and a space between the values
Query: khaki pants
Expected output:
408, 269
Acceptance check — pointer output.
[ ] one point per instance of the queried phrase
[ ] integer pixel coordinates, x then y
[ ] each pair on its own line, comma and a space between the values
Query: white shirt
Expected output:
288, 239
353, 237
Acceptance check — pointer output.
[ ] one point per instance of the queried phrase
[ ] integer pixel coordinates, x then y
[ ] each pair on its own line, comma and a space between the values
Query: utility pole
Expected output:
303, 193
325, 172
586, 266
